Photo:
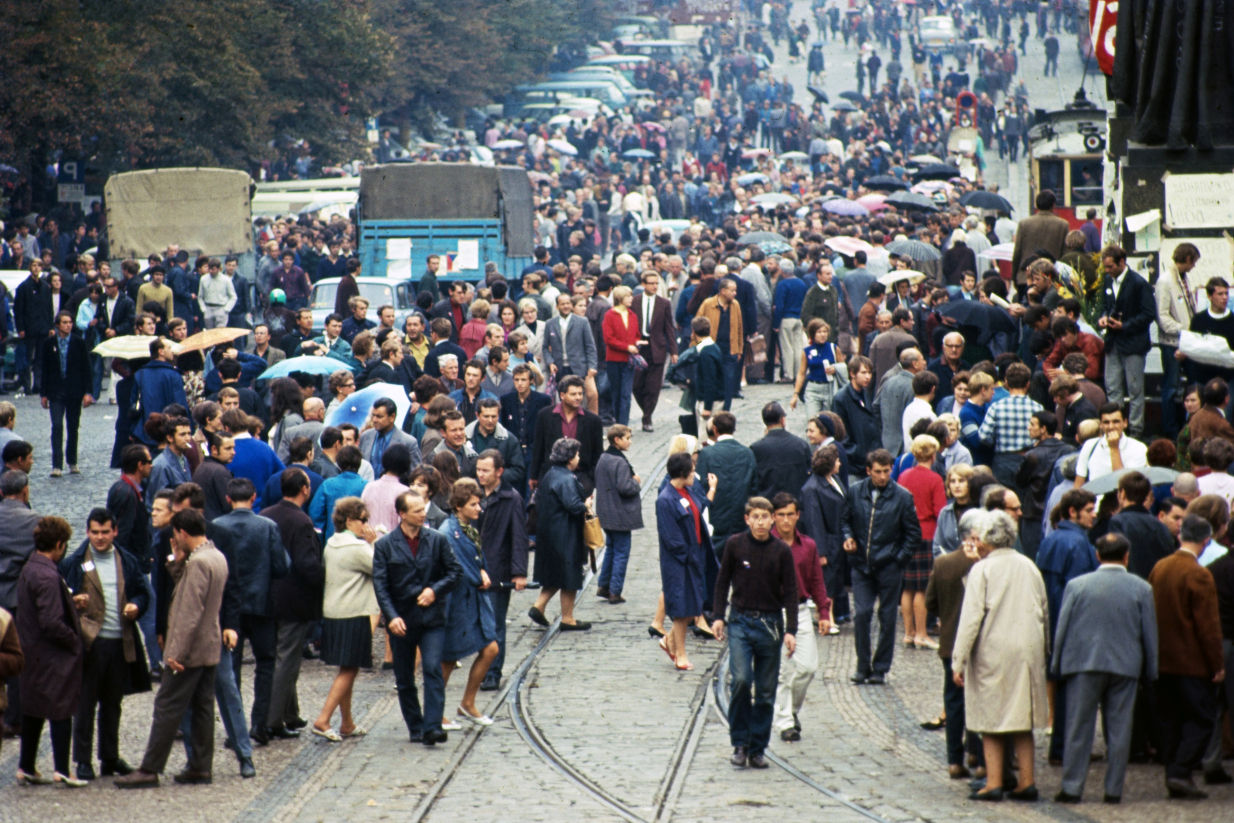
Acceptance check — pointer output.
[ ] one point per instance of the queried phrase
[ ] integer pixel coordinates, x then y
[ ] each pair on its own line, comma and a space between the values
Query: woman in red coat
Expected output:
621, 339
929, 495
50, 635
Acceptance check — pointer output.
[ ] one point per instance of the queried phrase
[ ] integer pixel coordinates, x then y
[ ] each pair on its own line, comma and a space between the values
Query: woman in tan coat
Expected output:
1001, 652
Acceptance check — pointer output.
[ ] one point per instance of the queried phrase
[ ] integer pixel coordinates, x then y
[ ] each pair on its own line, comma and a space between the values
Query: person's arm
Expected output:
452, 571
723, 578
972, 615
788, 591
627, 486
1146, 312
1165, 297
280, 559
381, 580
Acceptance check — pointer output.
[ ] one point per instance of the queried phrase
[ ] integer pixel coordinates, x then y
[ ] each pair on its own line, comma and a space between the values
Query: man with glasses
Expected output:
948, 364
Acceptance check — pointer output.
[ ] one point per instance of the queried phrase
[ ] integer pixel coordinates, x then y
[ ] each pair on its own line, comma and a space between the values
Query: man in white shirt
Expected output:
1218, 455
1112, 451
217, 296
924, 385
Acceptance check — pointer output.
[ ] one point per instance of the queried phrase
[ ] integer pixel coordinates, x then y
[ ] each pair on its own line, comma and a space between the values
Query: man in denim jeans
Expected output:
760, 568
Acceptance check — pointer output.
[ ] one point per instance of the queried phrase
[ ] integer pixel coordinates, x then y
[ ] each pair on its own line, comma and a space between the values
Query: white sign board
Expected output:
71, 192
1199, 201
398, 248
468, 255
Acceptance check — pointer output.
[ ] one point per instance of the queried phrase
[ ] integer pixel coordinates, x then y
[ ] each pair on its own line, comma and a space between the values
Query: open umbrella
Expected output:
845, 208
654, 126
932, 187
856, 97
755, 237
885, 182
847, 246
502, 145
979, 315
126, 347
773, 199
774, 247
843, 105
638, 154
915, 250
819, 95
210, 338
563, 146
897, 275
986, 200
794, 155
873, 202
1108, 483
307, 363
753, 177
355, 407
1002, 251
911, 201
924, 159
539, 177
750, 154
936, 171
559, 119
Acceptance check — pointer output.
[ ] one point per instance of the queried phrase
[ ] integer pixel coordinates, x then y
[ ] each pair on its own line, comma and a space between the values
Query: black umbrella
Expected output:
819, 94
911, 200
978, 314
986, 200
844, 105
885, 182
855, 96
936, 171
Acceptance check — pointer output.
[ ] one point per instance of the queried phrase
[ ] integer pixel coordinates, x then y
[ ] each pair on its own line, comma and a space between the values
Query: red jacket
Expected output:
619, 336
1086, 344
809, 574
928, 495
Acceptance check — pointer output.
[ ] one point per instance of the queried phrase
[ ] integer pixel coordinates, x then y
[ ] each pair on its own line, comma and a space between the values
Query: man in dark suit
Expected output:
520, 409
503, 534
1129, 308
655, 321
120, 312
441, 329
1105, 640
453, 308
65, 389
783, 458
569, 418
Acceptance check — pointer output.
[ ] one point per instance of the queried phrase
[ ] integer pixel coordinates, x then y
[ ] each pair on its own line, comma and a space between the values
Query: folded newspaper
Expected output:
1209, 349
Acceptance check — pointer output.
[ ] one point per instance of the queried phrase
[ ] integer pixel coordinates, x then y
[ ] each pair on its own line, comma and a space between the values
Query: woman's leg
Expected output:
546, 594
567, 605
906, 611
347, 723
61, 740
340, 688
919, 615
1024, 754
677, 639
475, 677
658, 620
31, 732
992, 746
615, 372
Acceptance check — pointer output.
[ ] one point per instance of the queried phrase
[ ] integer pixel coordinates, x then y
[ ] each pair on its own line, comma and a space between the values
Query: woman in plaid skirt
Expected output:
929, 496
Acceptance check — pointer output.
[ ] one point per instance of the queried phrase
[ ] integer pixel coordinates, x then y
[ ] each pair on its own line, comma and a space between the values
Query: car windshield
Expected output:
377, 294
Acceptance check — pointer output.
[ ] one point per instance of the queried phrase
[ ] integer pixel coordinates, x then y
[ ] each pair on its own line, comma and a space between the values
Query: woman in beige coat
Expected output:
1001, 652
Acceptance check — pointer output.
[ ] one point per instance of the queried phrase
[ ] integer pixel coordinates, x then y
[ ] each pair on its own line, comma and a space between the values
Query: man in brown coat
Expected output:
725, 317
1043, 230
1191, 661
190, 653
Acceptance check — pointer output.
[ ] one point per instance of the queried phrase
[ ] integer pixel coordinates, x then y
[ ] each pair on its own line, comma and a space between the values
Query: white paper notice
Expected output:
398, 248
400, 269
1196, 201
468, 255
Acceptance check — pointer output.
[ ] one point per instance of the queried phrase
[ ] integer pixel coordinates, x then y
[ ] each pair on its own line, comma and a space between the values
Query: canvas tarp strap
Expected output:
201, 210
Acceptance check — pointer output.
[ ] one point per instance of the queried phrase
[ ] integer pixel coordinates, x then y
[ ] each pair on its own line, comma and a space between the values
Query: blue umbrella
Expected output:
308, 364
355, 407
846, 208
638, 154
753, 177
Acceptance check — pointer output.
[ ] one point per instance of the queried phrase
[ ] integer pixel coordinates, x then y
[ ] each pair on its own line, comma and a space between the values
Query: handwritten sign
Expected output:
1199, 201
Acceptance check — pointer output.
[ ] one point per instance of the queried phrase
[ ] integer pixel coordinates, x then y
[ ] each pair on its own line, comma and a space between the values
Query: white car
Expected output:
938, 33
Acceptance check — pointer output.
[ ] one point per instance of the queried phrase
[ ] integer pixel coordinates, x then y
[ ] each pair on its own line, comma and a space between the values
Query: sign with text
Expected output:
1199, 201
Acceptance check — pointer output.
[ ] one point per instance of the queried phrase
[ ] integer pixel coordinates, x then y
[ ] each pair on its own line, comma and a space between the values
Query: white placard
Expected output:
468, 255
1199, 201
400, 269
398, 248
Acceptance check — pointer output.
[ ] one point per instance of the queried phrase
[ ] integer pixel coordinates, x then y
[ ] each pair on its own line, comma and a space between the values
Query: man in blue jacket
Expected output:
708, 374
257, 547
157, 385
413, 570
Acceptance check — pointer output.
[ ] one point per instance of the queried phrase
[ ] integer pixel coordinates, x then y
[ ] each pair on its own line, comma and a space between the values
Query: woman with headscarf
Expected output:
560, 550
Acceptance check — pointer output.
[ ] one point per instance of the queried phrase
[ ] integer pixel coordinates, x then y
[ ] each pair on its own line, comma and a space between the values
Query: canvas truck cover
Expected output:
201, 210
451, 191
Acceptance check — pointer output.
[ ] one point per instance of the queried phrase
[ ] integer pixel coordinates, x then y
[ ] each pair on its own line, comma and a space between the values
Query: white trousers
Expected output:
796, 672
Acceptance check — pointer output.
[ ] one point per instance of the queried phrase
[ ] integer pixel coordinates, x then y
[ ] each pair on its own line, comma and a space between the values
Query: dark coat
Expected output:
822, 517
591, 446
132, 522
507, 445
298, 595
865, 429
503, 534
32, 308
470, 621
75, 383
683, 556
399, 578
122, 318
158, 384
735, 469
783, 461
1149, 538
618, 503
443, 308
1136, 306
709, 375
50, 635
663, 336
446, 347
536, 401
887, 531
560, 552
213, 478
260, 558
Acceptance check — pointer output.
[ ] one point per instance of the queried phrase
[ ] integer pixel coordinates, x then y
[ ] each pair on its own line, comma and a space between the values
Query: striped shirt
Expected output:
1006, 424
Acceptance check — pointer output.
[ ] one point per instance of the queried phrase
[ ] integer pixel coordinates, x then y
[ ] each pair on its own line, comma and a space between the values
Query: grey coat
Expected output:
579, 345
893, 398
399, 436
1107, 624
17, 524
618, 504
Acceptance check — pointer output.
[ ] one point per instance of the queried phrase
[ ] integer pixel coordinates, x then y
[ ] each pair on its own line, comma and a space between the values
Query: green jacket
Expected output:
733, 465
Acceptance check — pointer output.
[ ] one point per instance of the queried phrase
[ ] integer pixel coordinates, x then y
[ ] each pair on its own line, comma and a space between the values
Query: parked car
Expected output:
938, 33
380, 291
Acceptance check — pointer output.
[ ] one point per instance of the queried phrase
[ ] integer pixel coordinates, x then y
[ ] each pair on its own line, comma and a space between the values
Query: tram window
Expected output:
1050, 176
1086, 182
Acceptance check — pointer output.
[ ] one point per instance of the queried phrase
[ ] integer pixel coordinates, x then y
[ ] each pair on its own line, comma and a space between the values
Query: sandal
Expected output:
32, 778
663, 644
356, 732
328, 734
688, 667
934, 725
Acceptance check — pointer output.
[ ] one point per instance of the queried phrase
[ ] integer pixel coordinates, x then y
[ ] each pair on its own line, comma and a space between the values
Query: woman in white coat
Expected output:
1001, 651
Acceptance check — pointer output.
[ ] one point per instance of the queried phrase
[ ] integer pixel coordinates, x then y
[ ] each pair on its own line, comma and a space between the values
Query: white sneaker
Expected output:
451, 725
482, 720
74, 470
56, 473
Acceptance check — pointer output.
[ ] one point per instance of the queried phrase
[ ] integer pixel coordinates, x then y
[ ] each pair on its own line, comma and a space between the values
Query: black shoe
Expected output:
876, 679
654, 631
992, 796
790, 735
260, 737
701, 633
602, 591
432, 738
576, 626
247, 769
156, 675
115, 768
739, 758
85, 771
1218, 777
13, 731
616, 599
537, 617
1028, 795
858, 679
1183, 789
387, 665
1063, 797
796, 722
647, 427
307, 653
757, 761
228, 743
297, 724
491, 683
282, 733
191, 778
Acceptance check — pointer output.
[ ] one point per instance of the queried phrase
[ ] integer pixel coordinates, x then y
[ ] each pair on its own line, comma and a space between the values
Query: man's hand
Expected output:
1112, 437
43, 400
850, 545
706, 414
717, 628
1018, 310
790, 644
397, 627
520, 583
1219, 677
130, 612
673, 359
173, 665
81, 601
231, 638
824, 625
87, 402
552, 367
958, 677
159, 639
109, 333
531, 484
1179, 356
427, 598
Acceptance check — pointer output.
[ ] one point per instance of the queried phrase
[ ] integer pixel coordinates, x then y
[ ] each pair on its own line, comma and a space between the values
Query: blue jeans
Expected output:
431, 643
621, 389
754, 651
1169, 392
231, 709
732, 378
616, 558
501, 607
148, 634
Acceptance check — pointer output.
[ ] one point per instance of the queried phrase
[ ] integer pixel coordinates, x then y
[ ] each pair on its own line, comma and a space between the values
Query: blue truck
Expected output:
466, 214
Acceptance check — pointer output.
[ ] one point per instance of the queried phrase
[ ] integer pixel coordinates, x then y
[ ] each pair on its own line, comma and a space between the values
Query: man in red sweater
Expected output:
797, 672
